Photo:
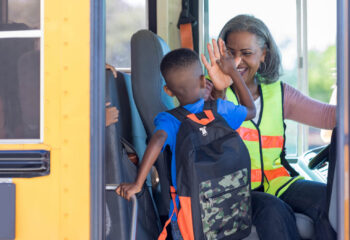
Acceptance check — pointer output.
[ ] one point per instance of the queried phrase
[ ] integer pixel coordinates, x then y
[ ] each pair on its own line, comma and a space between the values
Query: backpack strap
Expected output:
180, 113
211, 105
204, 117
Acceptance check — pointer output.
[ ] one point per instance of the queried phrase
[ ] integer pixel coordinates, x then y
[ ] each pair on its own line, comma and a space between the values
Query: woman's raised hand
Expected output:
220, 80
226, 61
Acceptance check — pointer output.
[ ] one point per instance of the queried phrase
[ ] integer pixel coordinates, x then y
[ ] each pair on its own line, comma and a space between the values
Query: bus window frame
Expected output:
31, 34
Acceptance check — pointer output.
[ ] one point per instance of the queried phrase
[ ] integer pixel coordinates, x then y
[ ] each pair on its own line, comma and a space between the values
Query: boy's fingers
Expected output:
205, 62
108, 104
216, 49
118, 190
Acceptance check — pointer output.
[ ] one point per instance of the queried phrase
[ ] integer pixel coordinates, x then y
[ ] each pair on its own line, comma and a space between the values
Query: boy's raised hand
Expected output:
220, 79
126, 190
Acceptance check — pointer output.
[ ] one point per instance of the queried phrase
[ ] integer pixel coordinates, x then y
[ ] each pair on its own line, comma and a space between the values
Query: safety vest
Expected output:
265, 140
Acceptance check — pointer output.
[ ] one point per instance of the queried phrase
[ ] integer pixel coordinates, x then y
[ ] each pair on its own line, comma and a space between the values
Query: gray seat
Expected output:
119, 168
147, 51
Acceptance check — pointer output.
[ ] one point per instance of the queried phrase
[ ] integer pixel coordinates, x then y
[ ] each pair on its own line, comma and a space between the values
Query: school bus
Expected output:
54, 163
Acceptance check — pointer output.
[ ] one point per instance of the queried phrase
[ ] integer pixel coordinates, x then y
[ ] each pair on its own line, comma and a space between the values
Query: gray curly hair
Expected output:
247, 23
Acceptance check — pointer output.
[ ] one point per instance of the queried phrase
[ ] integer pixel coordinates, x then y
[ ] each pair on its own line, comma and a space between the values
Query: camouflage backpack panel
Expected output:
225, 205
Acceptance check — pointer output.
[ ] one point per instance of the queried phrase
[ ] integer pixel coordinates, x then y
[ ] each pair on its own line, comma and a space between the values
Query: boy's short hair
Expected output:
178, 58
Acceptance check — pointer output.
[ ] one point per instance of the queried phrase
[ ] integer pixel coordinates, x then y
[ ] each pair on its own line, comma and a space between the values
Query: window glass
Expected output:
123, 19
321, 59
20, 14
20, 88
20, 70
282, 25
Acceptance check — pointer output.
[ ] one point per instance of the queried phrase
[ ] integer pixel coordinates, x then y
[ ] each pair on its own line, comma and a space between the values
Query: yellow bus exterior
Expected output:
57, 206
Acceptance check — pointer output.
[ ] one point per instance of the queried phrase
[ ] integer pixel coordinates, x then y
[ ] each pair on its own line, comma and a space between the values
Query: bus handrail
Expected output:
113, 187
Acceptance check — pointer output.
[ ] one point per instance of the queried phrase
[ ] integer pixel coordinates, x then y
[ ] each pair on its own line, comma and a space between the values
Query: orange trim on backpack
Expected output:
184, 219
252, 135
270, 174
186, 35
164, 232
203, 121
173, 196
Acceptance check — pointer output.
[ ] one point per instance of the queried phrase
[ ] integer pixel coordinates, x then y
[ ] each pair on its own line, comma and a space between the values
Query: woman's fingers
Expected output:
216, 49
205, 62
222, 47
211, 54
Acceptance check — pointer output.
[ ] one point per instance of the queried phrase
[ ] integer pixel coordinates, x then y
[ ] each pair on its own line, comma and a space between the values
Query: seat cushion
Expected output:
305, 226
304, 223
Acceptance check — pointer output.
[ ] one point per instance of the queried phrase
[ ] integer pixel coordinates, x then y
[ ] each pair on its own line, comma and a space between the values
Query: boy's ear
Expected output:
203, 81
168, 91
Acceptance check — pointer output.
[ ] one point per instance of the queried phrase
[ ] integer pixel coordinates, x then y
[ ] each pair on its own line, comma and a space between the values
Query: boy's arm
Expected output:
126, 190
227, 65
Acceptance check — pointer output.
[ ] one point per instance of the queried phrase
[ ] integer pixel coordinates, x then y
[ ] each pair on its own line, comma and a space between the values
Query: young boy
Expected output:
184, 79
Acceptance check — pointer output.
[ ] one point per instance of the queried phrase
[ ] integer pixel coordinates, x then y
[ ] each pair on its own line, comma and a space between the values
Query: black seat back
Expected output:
120, 169
147, 51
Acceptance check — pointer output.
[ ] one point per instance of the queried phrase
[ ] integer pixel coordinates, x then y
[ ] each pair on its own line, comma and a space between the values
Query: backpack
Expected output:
211, 193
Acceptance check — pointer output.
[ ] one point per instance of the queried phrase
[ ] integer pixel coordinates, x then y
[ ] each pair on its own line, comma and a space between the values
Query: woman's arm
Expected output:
306, 110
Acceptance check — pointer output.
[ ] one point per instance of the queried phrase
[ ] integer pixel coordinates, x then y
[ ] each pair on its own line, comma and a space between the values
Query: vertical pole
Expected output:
97, 118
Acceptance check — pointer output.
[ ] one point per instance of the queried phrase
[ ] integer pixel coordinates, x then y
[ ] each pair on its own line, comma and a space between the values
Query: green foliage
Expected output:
322, 73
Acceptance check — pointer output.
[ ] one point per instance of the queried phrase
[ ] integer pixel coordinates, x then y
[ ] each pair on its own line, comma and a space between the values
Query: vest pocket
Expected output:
225, 205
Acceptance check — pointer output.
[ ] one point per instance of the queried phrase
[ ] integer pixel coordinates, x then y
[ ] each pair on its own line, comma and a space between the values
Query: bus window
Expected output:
18, 11
321, 58
308, 57
20, 78
123, 19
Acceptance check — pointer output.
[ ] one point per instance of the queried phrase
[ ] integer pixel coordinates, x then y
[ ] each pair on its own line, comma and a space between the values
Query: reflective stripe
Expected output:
248, 134
270, 174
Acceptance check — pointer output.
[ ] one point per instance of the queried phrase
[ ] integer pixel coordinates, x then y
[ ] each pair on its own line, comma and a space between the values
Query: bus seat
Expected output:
332, 181
147, 51
120, 169
137, 129
119, 97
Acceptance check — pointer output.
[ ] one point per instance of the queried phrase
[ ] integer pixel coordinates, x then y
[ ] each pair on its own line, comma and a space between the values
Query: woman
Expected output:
257, 59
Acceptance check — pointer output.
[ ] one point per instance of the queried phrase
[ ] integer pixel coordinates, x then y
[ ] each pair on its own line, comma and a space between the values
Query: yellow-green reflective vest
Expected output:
265, 140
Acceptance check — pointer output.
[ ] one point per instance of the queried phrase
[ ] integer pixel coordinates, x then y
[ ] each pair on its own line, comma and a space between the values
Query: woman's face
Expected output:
247, 53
